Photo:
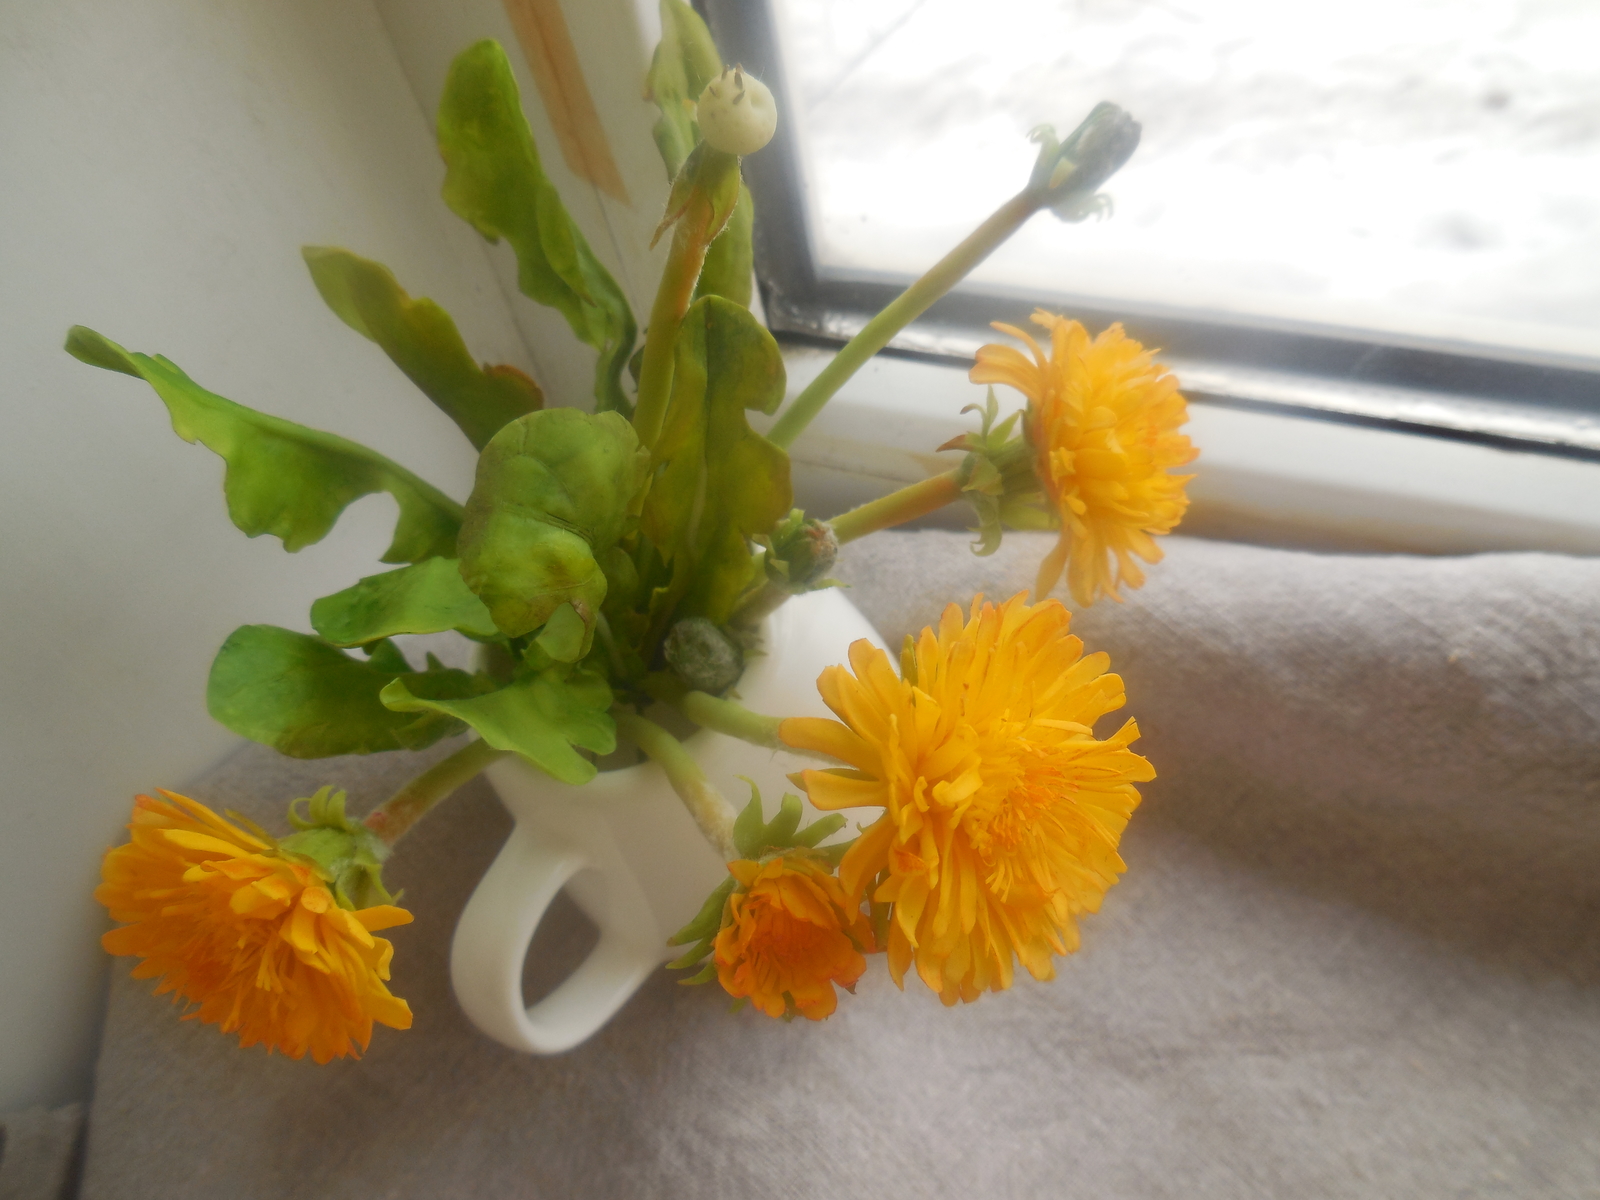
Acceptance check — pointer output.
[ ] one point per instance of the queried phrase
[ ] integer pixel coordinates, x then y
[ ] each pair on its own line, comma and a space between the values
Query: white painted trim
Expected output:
1261, 477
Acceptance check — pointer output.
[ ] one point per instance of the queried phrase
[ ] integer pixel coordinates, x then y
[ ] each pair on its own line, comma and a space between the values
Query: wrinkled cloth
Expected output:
1356, 952
39, 1152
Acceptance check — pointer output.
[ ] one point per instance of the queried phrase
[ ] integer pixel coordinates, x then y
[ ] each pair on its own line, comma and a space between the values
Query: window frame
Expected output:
1528, 402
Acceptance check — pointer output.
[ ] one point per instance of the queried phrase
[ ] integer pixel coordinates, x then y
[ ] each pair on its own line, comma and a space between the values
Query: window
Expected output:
1380, 213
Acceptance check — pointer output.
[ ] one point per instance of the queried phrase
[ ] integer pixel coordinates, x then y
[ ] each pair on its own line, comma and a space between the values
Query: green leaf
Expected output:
426, 597
385, 656
730, 261
541, 717
686, 59
493, 180
555, 489
283, 478
307, 699
422, 340
718, 483
565, 636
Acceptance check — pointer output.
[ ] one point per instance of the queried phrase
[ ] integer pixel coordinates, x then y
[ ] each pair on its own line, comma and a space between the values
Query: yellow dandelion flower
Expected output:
789, 935
254, 938
1103, 422
1002, 809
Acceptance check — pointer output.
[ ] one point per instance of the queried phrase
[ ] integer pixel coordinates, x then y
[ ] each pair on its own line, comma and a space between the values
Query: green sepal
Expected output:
998, 477
555, 491
545, 718
706, 974
708, 920
717, 482
423, 342
685, 60
283, 478
494, 181
309, 699
756, 838
425, 597
696, 954
344, 851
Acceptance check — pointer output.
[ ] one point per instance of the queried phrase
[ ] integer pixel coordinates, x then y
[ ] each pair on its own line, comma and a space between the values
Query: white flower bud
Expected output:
736, 112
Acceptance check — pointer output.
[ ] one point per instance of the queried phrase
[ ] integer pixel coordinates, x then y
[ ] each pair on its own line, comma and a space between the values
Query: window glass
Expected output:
1423, 168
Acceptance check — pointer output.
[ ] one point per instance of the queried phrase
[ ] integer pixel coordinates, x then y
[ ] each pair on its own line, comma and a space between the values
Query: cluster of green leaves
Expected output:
579, 547
755, 838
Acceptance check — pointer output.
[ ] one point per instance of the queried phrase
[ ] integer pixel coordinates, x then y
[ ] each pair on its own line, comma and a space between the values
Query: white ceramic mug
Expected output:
627, 851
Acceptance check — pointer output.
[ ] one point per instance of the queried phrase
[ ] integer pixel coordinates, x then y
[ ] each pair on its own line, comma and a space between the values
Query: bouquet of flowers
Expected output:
611, 562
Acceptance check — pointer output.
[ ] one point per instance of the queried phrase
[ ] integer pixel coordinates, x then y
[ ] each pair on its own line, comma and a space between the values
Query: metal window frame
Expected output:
1542, 403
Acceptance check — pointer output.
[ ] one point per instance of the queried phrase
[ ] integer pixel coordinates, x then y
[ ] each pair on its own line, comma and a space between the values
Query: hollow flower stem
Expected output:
711, 812
910, 502
903, 309
685, 260
396, 815
711, 712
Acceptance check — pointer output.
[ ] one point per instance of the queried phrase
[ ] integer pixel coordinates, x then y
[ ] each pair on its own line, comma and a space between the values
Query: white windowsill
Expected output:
1260, 477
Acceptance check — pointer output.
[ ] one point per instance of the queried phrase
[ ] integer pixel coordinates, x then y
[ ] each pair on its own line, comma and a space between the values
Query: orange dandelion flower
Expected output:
1103, 422
789, 935
1002, 809
254, 938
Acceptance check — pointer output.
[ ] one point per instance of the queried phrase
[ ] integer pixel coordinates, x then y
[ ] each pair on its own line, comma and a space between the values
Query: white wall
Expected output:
161, 161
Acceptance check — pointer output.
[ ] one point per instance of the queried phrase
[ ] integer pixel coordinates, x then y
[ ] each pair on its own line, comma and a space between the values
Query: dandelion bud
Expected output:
736, 112
801, 552
704, 657
1068, 172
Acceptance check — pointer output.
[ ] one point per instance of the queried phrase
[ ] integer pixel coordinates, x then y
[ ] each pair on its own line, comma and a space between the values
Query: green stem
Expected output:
706, 805
391, 819
725, 716
910, 502
685, 259
904, 309
758, 605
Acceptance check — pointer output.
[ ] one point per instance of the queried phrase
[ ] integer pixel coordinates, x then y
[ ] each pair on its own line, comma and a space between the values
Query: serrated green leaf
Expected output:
494, 181
541, 717
686, 59
718, 483
425, 597
283, 478
554, 489
307, 699
422, 340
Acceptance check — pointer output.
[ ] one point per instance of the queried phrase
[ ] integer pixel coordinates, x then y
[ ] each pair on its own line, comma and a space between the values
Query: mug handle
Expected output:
498, 924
